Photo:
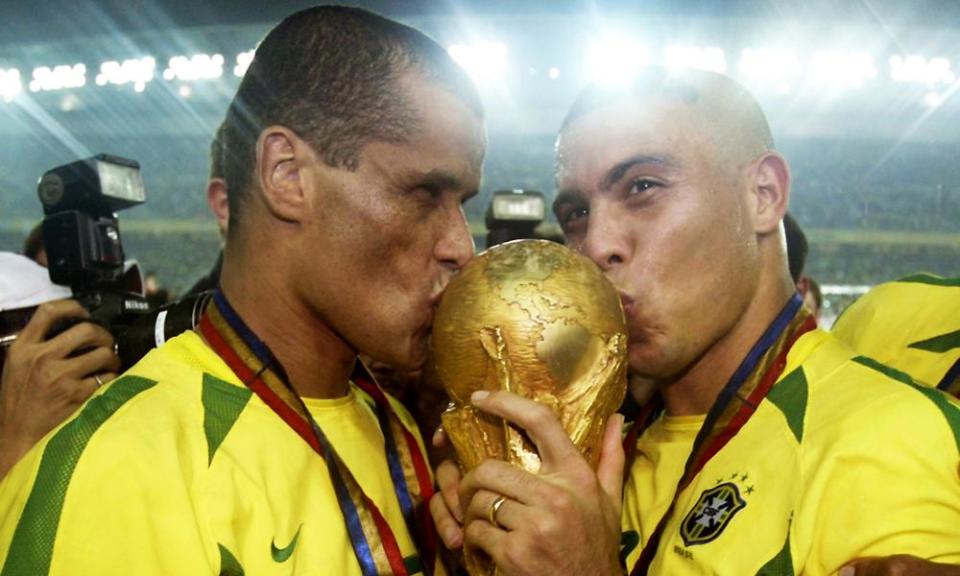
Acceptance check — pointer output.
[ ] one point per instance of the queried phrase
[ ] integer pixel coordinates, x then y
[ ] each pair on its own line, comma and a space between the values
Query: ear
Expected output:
772, 191
217, 200
279, 163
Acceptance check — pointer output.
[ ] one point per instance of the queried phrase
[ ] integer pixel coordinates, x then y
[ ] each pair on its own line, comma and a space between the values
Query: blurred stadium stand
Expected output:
860, 98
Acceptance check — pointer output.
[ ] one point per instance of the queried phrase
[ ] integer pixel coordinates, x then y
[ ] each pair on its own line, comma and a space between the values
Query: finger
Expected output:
107, 377
500, 477
95, 361
447, 526
82, 390
540, 423
507, 516
610, 466
448, 479
47, 315
439, 439
83, 335
489, 538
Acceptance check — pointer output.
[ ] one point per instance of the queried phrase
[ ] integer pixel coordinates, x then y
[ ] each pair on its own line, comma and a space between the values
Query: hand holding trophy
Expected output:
537, 319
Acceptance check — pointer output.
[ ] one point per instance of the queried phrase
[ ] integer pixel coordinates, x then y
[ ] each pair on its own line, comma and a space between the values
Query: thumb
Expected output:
610, 467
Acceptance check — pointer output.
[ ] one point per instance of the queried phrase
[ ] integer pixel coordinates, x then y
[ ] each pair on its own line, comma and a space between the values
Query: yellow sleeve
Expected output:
889, 485
106, 494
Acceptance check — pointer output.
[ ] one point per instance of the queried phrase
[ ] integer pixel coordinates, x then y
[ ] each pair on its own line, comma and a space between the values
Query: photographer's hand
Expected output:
44, 381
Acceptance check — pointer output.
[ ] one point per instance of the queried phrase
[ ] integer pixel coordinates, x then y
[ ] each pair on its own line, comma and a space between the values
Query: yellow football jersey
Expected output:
913, 325
177, 468
845, 458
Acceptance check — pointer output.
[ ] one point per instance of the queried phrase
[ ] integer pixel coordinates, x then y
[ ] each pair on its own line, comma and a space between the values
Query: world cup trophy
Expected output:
537, 319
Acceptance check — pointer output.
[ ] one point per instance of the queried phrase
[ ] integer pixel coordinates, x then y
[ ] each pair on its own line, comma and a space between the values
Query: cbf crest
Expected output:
711, 514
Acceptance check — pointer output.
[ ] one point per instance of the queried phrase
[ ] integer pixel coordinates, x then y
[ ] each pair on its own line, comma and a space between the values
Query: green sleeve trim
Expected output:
930, 279
790, 396
222, 404
229, 565
31, 549
939, 344
950, 411
781, 564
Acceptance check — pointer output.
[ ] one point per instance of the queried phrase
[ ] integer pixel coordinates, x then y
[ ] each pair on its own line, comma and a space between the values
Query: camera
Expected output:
514, 215
81, 233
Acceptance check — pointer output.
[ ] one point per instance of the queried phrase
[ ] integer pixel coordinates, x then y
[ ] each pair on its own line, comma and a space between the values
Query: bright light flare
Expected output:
694, 57
919, 70
769, 67
10, 84
196, 67
841, 69
136, 71
484, 62
616, 60
58, 78
243, 62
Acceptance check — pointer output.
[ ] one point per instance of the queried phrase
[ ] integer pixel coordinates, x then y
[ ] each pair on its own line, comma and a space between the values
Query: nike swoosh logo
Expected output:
283, 554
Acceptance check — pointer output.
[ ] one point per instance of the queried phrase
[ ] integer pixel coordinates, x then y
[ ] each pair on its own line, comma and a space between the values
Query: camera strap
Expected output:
373, 540
736, 403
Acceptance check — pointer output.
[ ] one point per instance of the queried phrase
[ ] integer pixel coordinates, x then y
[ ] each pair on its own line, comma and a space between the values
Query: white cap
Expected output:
24, 283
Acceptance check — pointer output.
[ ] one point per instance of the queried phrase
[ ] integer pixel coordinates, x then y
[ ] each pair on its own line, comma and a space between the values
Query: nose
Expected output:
605, 242
455, 247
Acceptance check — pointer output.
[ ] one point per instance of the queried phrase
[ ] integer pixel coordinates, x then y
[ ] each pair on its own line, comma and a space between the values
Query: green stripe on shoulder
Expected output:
31, 549
790, 396
939, 344
229, 565
222, 404
781, 564
950, 411
930, 279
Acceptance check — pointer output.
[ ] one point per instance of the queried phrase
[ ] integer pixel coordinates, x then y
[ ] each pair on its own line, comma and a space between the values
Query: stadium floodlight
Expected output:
10, 84
243, 62
919, 70
933, 99
769, 67
841, 69
709, 58
615, 60
58, 78
185, 91
484, 62
196, 67
136, 71
554, 73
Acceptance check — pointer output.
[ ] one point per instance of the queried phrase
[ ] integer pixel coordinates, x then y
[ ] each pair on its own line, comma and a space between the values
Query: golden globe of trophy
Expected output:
539, 320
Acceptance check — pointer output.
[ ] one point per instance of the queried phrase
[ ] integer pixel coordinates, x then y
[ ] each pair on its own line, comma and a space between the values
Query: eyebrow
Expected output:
617, 172
439, 179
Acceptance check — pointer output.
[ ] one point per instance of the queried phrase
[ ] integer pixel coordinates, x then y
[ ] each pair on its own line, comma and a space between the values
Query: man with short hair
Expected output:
257, 444
779, 450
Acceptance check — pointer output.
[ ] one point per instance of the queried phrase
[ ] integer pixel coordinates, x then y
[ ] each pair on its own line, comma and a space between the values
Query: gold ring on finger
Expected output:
494, 508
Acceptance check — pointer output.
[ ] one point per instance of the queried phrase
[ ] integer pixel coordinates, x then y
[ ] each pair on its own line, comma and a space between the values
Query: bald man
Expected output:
778, 450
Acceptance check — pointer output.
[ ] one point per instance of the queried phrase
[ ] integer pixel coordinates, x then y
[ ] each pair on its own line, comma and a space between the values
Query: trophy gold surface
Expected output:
537, 319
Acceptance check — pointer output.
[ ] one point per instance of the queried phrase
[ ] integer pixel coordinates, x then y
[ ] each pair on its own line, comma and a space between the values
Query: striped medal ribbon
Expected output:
372, 538
736, 403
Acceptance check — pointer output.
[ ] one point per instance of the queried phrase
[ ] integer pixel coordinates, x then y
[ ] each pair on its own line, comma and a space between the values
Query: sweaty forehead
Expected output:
599, 140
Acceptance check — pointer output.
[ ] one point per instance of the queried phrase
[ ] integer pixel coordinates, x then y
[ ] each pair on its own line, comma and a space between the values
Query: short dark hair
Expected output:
331, 75
797, 247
